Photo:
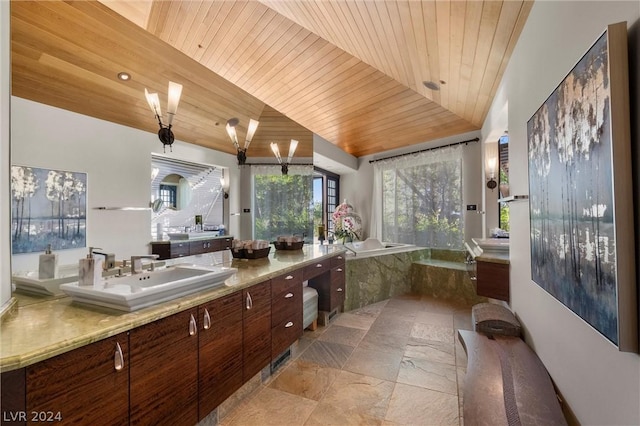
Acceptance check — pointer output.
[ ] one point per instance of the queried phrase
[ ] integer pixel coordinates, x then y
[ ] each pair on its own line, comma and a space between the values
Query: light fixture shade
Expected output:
154, 102
491, 159
292, 149
175, 90
276, 151
491, 166
231, 131
253, 126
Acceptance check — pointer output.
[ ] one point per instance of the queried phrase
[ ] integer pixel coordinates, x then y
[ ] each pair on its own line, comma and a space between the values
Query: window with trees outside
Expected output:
283, 204
503, 156
421, 198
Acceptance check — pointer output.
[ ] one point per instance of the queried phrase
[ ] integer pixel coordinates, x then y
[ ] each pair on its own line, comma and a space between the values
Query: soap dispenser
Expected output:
48, 265
90, 269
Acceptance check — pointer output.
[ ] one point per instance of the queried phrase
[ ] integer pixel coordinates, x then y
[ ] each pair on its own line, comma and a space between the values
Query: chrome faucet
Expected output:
136, 262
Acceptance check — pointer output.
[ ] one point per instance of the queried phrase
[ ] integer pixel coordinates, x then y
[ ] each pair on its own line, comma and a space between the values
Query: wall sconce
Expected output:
165, 134
224, 185
292, 149
231, 131
491, 152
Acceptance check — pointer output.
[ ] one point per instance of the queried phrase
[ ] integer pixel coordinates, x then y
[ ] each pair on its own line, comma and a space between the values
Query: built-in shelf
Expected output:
124, 208
513, 198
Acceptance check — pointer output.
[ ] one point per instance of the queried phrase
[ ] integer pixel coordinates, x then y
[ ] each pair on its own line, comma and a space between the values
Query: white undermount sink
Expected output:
139, 291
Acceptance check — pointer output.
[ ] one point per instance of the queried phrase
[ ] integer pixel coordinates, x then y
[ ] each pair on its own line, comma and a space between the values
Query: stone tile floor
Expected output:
397, 362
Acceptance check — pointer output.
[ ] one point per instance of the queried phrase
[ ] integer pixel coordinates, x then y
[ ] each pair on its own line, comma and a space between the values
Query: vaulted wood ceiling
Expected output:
350, 71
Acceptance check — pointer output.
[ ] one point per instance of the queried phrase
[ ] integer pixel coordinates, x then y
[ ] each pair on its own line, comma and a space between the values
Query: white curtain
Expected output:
410, 193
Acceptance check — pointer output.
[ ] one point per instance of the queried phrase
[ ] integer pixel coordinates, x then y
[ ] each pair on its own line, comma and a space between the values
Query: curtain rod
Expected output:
425, 150
278, 164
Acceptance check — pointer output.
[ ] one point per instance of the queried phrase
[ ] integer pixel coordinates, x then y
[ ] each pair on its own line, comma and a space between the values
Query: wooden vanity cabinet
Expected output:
338, 282
492, 279
224, 243
164, 371
175, 249
13, 392
330, 284
286, 311
88, 385
220, 351
256, 328
171, 250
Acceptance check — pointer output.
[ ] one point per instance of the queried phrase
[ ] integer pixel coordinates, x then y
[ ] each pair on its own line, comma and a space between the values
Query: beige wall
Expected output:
600, 384
117, 160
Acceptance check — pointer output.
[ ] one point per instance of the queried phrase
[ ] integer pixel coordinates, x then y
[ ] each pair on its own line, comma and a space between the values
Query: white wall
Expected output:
600, 384
357, 187
5, 163
117, 160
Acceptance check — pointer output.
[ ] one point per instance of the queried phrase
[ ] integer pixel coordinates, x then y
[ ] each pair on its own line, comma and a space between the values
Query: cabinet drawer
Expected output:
284, 335
282, 283
179, 249
286, 305
337, 287
224, 243
338, 260
316, 268
200, 247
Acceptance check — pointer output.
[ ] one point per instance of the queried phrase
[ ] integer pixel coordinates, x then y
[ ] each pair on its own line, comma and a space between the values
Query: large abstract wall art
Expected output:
580, 196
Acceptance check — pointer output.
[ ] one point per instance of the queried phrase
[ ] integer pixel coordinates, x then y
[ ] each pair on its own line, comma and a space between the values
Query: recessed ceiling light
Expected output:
431, 85
124, 76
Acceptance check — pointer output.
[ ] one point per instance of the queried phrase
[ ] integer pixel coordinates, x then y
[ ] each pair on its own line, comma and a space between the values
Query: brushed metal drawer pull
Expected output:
288, 295
207, 320
249, 301
319, 265
473, 278
288, 277
289, 324
193, 326
339, 289
339, 270
118, 358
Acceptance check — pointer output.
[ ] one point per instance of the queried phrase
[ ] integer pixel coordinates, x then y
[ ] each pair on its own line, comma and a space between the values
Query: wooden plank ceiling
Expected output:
349, 71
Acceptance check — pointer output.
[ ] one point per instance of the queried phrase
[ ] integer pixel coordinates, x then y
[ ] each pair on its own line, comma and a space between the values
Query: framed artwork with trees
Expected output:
48, 207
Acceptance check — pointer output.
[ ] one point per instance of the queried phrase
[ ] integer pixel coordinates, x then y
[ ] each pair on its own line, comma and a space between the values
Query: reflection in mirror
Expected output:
175, 192
186, 190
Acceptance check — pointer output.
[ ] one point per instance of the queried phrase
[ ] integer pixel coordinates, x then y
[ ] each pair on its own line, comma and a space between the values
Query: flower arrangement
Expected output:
347, 224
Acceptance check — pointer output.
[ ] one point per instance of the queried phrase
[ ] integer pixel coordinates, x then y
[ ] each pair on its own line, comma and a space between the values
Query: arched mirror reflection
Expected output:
175, 192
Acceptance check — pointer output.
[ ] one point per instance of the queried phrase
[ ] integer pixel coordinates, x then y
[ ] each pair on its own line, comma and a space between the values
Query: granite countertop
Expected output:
494, 257
191, 238
40, 329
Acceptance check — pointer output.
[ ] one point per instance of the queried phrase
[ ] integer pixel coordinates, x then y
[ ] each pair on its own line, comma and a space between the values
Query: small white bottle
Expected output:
48, 265
90, 270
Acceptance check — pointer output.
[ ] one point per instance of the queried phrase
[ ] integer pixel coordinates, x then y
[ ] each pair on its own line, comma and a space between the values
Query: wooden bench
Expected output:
506, 383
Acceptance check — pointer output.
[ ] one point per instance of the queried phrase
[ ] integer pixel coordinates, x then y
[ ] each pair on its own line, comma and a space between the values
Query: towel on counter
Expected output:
289, 239
250, 244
